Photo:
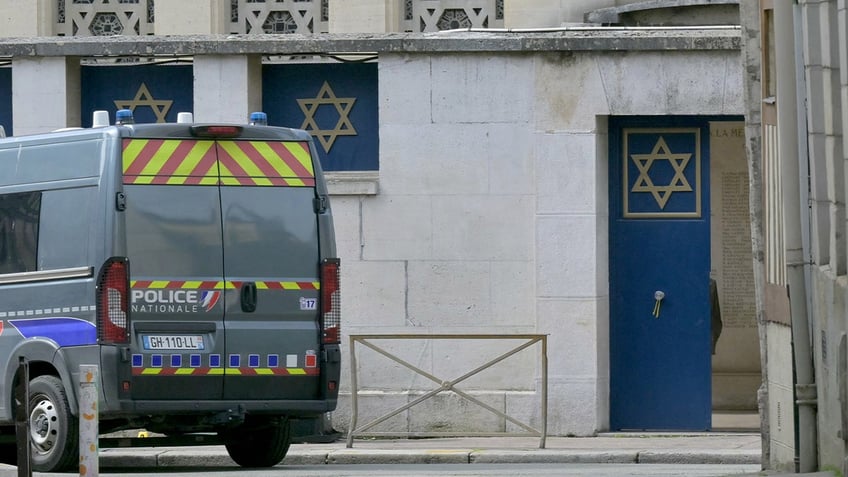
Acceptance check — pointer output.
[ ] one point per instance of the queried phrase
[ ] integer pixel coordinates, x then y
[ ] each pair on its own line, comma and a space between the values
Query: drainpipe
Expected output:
791, 162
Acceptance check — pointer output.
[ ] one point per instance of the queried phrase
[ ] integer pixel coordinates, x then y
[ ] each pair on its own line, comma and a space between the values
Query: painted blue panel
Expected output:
155, 93
64, 331
6, 99
660, 359
336, 103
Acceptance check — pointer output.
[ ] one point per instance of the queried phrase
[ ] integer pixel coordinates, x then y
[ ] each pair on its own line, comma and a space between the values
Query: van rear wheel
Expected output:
258, 445
53, 430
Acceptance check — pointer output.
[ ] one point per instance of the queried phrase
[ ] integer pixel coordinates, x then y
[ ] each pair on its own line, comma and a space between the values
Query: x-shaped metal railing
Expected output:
528, 341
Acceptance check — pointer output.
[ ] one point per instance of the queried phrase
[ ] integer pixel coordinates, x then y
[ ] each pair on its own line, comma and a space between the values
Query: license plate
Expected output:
172, 342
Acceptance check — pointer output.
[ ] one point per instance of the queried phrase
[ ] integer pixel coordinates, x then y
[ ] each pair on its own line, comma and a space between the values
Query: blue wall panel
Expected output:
155, 93
6, 99
336, 103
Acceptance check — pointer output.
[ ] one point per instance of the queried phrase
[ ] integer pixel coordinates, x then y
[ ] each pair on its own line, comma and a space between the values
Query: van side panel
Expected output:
66, 225
50, 306
45, 159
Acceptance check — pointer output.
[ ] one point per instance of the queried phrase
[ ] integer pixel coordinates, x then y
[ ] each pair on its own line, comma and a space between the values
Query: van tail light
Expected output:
331, 299
211, 130
113, 310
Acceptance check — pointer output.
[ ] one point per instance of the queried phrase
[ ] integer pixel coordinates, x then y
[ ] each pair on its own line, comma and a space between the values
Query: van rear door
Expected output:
175, 247
271, 257
222, 237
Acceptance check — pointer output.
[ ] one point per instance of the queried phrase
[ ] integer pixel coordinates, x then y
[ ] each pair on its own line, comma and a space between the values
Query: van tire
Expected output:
265, 446
54, 431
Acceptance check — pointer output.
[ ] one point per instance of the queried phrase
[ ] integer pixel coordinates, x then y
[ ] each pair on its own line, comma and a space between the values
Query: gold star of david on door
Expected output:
326, 96
685, 156
143, 97
678, 183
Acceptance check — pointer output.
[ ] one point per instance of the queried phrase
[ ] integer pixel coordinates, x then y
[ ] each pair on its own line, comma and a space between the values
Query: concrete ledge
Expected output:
614, 14
582, 39
353, 183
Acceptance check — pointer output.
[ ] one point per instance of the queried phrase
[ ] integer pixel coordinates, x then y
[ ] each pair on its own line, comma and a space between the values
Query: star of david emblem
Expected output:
678, 162
343, 127
143, 97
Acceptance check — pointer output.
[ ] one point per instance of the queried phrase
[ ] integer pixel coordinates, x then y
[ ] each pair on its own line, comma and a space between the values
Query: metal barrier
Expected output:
529, 340
89, 420
22, 435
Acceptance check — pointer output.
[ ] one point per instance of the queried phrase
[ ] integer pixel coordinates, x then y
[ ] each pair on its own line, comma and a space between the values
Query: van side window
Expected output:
19, 219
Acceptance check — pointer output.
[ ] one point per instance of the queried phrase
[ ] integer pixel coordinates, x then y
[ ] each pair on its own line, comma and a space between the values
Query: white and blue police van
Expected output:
194, 264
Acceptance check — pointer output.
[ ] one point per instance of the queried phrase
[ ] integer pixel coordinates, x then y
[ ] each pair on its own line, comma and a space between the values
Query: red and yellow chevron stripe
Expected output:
220, 285
207, 162
287, 285
170, 161
265, 163
226, 371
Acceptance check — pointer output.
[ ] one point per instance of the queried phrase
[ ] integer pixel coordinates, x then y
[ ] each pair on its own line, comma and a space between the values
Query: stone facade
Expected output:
489, 211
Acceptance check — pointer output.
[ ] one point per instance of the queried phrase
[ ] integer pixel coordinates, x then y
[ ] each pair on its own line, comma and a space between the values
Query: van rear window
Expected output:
19, 220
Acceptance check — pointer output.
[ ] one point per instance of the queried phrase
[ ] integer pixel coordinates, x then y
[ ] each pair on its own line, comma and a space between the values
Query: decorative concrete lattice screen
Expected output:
104, 17
437, 15
279, 16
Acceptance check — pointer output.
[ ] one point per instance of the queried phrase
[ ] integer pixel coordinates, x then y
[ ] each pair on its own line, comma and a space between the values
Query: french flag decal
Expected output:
208, 299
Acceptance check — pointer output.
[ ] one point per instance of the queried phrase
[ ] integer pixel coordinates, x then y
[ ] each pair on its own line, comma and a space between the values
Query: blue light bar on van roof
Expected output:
207, 130
258, 119
124, 116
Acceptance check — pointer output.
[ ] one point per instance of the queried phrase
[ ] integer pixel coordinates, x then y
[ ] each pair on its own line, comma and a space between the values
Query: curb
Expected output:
544, 456
700, 457
212, 457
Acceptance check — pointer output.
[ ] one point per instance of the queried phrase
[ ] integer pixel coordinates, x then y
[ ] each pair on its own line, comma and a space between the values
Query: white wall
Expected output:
492, 218
45, 94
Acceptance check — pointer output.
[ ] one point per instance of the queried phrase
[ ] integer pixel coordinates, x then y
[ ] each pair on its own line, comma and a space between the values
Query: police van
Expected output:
195, 264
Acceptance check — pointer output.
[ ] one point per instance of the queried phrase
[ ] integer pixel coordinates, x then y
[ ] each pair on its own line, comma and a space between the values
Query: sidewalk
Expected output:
623, 448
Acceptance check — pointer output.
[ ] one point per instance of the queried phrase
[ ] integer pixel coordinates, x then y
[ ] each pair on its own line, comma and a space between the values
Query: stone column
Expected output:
365, 16
27, 18
45, 94
191, 17
227, 88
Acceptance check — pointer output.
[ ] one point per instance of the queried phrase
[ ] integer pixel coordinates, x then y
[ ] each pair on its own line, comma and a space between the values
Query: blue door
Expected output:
660, 370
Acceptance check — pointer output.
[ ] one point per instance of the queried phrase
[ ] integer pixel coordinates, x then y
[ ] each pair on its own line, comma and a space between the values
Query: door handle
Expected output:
658, 297
248, 297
